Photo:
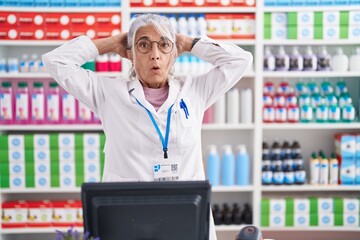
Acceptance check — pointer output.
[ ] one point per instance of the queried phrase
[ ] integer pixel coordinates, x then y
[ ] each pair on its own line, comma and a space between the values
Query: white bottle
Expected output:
232, 106
148, 3
355, 61
182, 24
246, 106
282, 61
310, 60
201, 25
199, 2
34, 64
24, 63
269, 60
339, 61
296, 60
173, 2
173, 22
219, 116
192, 25
185, 66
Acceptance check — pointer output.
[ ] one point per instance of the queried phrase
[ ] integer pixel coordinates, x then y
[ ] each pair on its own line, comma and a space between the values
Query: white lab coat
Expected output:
132, 143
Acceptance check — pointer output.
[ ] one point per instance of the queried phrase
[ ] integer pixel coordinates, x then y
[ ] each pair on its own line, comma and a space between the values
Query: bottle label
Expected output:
315, 172
6, 106
84, 112
37, 106
300, 176
293, 114
267, 177
289, 177
280, 114
68, 108
278, 177
53, 107
269, 114
22, 106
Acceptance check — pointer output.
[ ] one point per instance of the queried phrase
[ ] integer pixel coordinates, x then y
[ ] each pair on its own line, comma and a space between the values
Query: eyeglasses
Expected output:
144, 45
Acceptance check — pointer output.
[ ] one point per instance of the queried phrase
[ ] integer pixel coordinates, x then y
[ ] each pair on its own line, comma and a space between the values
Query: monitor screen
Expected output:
147, 210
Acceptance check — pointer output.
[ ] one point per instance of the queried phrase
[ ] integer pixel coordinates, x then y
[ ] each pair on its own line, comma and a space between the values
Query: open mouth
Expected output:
155, 68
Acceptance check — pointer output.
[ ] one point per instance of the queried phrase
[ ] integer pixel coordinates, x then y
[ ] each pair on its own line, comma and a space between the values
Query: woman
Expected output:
152, 119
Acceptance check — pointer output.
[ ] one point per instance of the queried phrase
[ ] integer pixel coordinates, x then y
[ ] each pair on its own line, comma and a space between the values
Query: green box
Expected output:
29, 168
289, 220
292, 19
338, 205
344, 31
29, 141
265, 220
313, 205
267, 33
344, 18
265, 206
338, 219
314, 220
318, 19
318, 32
292, 32
4, 141
289, 206
267, 19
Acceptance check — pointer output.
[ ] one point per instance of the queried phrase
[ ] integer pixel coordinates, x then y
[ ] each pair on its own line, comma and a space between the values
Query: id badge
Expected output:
166, 170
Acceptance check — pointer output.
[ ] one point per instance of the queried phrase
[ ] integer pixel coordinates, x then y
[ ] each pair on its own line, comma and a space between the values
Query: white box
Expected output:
305, 32
67, 168
351, 205
92, 155
351, 220
17, 181
66, 140
278, 19
326, 219
42, 180
92, 171
331, 17
41, 141
325, 205
354, 17
91, 140
42, 168
331, 32
67, 181
277, 220
92, 178
301, 220
41, 155
279, 32
277, 206
305, 18
301, 205
354, 31
67, 155
16, 141
16, 155
17, 168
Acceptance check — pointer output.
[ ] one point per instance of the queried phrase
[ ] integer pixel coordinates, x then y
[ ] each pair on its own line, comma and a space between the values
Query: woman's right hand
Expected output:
116, 44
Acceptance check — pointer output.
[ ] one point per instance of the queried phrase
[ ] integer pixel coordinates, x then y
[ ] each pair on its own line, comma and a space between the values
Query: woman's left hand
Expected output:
183, 43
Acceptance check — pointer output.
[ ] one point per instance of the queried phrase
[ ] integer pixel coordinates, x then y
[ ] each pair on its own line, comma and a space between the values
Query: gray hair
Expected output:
162, 25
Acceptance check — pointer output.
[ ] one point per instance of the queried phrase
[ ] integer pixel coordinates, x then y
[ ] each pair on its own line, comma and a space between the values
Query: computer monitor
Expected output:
147, 210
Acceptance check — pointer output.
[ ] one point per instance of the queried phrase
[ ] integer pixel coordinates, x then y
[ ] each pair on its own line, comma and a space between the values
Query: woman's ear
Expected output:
129, 55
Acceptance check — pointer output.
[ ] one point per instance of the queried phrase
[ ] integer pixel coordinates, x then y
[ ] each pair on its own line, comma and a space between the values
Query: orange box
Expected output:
108, 19
31, 20
83, 19
64, 213
161, 3
57, 20
79, 214
187, 3
9, 33
58, 33
214, 3
243, 26
39, 214
14, 214
219, 26
9, 18
106, 32
83, 30
136, 3
243, 3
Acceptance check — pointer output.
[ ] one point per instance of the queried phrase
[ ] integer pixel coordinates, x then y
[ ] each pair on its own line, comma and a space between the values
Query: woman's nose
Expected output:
155, 52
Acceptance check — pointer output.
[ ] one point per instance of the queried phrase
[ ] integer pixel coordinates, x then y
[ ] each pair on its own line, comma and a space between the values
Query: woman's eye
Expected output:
165, 45
144, 45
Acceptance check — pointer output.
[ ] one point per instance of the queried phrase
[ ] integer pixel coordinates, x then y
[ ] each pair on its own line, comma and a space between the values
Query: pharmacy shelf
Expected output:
310, 188
54, 127
286, 42
37, 230
193, 9
214, 126
229, 228
309, 229
40, 190
95, 9
315, 126
41, 43
310, 8
224, 189
46, 75
310, 74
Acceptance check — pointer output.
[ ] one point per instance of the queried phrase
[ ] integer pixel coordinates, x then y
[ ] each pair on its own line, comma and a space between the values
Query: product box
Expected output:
346, 205
67, 155
9, 19
39, 214
301, 220
326, 219
42, 168
53, 20
351, 220
278, 19
17, 168
106, 32
41, 155
279, 32
354, 32
16, 141
58, 33
79, 214
17, 155
67, 181
91, 172
331, 32
305, 32
301, 206
64, 213
357, 159
219, 25
41, 141
91, 155
91, 140
108, 20
42, 180
325, 205
277, 206
66, 140
14, 214
345, 147
354, 17
10, 33
277, 220
243, 26
31, 20
305, 18
331, 18
17, 181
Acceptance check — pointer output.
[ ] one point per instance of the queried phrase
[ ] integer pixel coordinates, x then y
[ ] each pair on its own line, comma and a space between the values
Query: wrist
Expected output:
195, 40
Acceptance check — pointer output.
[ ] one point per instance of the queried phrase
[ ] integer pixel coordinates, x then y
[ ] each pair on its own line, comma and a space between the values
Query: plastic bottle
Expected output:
287, 161
201, 25
333, 170
324, 169
213, 166
173, 22
340, 88
322, 113
236, 214
217, 215
289, 175
68, 110
247, 214
310, 60
102, 63
276, 161
265, 148
314, 169
334, 113
182, 24
339, 61
192, 25
323, 60
232, 106
275, 148
24, 63
266, 175
300, 174
6, 103
246, 105
282, 60
220, 110
115, 63
242, 171
295, 148
53, 103
306, 113
38, 103
296, 60
348, 113
227, 214
13, 65
34, 63
354, 63
227, 167
269, 60
278, 176
22, 104
84, 113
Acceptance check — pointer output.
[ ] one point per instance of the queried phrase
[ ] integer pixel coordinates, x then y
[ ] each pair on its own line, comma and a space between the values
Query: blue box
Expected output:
41, 3
85, 3
56, 3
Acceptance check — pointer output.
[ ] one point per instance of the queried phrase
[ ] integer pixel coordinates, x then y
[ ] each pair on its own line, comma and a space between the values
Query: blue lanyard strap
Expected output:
166, 140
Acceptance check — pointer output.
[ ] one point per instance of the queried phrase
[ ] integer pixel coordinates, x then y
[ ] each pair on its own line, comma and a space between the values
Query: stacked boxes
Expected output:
50, 160
310, 25
312, 211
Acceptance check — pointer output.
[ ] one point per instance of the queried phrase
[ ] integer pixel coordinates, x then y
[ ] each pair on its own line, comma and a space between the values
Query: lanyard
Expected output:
166, 140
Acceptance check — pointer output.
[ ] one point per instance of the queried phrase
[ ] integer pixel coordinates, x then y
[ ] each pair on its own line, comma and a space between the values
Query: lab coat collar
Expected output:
136, 90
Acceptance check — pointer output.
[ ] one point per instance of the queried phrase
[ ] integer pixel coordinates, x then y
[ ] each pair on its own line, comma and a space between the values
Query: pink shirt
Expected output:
156, 96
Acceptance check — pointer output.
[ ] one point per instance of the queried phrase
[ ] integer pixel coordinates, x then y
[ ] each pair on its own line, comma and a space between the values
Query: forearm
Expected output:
106, 45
